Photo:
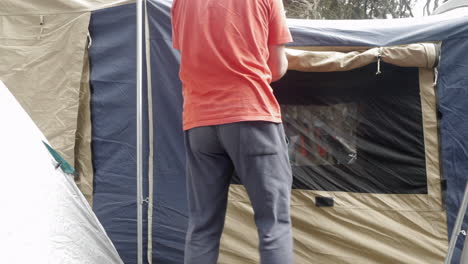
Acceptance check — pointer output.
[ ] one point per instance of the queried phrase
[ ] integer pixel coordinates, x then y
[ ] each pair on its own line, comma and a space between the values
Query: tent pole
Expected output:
139, 110
457, 227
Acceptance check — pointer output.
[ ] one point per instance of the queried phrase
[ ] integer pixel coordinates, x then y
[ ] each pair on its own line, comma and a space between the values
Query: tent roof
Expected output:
47, 7
451, 5
379, 32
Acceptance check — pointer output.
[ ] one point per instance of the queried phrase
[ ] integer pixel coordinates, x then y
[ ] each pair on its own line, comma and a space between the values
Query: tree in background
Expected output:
355, 9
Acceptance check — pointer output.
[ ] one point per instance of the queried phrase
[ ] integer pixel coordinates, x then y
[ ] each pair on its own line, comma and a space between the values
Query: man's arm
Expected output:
277, 62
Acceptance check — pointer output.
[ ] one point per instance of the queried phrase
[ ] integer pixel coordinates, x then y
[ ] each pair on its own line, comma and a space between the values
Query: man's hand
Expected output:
277, 62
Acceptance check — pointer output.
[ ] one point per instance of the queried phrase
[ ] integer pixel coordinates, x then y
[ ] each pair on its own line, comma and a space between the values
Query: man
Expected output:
231, 50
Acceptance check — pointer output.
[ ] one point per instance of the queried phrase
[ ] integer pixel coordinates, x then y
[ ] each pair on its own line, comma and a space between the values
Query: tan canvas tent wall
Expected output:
45, 63
53, 7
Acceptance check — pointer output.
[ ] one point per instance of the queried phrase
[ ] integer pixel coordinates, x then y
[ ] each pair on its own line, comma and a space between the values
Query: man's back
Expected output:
224, 70
230, 50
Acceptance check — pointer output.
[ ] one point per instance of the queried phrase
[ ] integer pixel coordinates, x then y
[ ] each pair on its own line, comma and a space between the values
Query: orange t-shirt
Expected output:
224, 54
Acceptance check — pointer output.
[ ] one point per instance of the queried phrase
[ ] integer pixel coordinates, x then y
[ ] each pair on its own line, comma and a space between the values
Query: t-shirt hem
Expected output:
281, 41
190, 125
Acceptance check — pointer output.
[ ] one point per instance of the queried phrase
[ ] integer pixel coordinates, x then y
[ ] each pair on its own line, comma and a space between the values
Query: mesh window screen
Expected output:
355, 131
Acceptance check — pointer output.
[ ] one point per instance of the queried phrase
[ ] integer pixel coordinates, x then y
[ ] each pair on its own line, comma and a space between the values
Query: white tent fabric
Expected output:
45, 218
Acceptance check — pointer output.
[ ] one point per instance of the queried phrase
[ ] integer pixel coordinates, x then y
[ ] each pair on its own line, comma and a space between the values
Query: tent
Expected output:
379, 183
45, 218
452, 6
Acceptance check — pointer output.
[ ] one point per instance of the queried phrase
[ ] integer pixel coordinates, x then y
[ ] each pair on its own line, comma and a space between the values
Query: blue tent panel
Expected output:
170, 200
113, 108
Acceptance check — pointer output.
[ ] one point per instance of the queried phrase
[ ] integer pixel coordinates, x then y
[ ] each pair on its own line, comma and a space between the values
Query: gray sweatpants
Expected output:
258, 153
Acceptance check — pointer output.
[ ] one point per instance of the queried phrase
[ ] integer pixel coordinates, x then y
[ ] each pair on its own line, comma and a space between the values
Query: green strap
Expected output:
64, 165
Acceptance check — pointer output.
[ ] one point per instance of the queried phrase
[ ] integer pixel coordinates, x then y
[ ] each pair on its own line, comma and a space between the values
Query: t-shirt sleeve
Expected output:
278, 28
175, 33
